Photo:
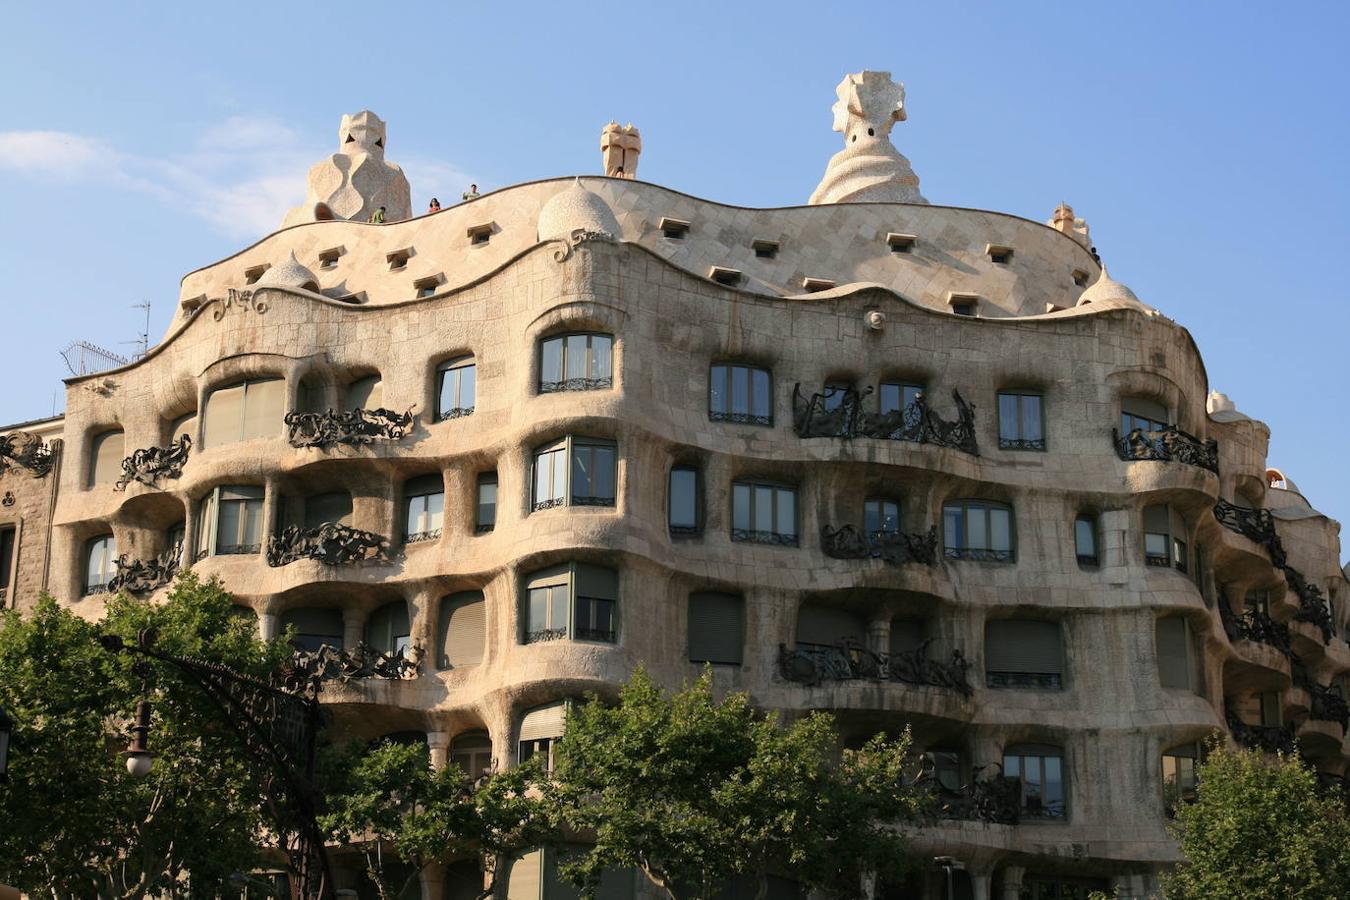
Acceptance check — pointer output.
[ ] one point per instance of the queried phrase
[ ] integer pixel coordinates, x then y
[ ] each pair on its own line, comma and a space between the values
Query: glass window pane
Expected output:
558, 606
602, 349
889, 399
487, 503
717, 389
684, 498
538, 611
575, 356
550, 368
740, 390
763, 508
787, 511
224, 416
468, 386
252, 521
1007, 417
264, 408
872, 516
763, 396
1012, 766
434, 511
953, 530
1031, 417
582, 463
977, 527
740, 506
1155, 545
559, 477
227, 531
604, 471
1085, 538
1000, 527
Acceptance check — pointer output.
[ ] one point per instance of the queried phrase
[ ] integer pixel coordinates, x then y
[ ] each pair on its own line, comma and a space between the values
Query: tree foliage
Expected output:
695, 791
1259, 828
75, 822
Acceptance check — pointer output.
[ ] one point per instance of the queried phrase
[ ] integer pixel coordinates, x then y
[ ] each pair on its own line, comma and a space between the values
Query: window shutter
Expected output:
906, 635
525, 880
543, 722
1173, 657
311, 620
716, 629
1023, 645
824, 625
1157, 520
1145, 409
109, 451
224, 416
264, 408
463, 629
597, 581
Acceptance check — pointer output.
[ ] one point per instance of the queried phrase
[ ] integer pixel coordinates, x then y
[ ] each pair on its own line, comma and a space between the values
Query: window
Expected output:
575, 600
1178, 775
425, 287
471, 753
251, 409
764, 513
423, 508
106, 454
398, 259
674, 229
1179, 663
896, 396
100, 556
1165, 538
479, 234
252, 274
1272, 709
540, 728
900, 243
1021, 423
946, 766
765, 249
463, 630
829, 627
1085, 540
1143, 414
589, 479
1023, 653
716, 628
230, 521
174, 536
1080, 278
576, 362
7, 561
881, 517
683, 502
328, 259
1041, 770
456, 388
387, 629
485, 516
978, 529
314, 627
741, 394
964, 304
999, 254
815, 285
723, 275
364, 393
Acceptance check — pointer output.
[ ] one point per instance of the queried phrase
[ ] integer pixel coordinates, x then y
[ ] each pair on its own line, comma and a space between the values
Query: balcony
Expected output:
895, 547
1253, 625
137, 577
1266, 738
813, 664
1171, 444
26, 451
350, 427
1033, 681
839, 413
990, 797
150, 465
1327, 704
332, 544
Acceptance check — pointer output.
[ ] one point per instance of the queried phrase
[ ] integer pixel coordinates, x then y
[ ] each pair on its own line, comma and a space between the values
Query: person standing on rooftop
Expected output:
377, 217
471, 193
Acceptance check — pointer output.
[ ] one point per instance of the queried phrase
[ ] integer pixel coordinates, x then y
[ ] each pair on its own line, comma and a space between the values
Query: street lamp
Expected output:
6, 729
138, 754
950, 864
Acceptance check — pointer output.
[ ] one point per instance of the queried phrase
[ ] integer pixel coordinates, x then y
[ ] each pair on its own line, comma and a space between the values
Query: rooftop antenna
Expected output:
144, 340
84, 358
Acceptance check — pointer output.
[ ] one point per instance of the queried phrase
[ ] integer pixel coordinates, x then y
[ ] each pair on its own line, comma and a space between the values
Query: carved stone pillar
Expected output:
879, 634
423, 614
433, 881
1012, 882
438, 744
353, 627
268, 626
980, 885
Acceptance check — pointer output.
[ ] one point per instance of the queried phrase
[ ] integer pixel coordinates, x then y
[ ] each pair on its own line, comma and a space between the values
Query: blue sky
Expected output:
1205, 143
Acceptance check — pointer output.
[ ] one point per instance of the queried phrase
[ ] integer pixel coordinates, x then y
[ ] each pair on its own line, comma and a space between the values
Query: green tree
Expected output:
75, 822
1259, 828
695, 791
388, 797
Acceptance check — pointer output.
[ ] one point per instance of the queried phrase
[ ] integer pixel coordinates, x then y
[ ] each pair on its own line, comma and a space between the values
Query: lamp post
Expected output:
950, 864
6, 729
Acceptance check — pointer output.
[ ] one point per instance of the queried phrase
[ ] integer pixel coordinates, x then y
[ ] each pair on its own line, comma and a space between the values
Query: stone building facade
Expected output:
913, 464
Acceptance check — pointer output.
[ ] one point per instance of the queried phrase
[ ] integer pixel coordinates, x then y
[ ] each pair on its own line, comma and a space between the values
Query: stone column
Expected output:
423, 614
190, 528
438, 744
433, 881
269, 511
353, 627
1012, 882
268, 626
980, 885
879, 634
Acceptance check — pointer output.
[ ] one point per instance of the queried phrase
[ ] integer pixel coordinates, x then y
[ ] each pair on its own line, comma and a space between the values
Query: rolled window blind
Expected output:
1023, 645
543, 722
1173, 639
825, 625
716, 628
109, 451
463, 629
526, 879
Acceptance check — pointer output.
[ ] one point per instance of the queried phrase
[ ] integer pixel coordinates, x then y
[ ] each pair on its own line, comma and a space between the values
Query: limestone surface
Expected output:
357, 180
869, 168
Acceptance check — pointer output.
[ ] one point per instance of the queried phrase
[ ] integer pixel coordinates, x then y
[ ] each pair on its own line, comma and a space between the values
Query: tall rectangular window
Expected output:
1023, 653
1142, 414
1021, 423
108, 451
1085, 540
580, 471
764, 513
485, 516
1178, 661
7, 561
574, 600
741, 394
716, 628
456, 388
881, 517
241, 412
1178, 773
684, 500
978, 529
230, 521
576, 362
424, 508
540, 729
99, 563
595, 595
1041, 770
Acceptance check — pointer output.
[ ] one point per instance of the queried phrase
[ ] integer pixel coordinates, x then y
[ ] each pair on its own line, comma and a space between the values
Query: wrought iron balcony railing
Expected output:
27, 451
1267, 738
1171, 444
151, 464
717, 415
418, 537
540, 635
979, 554
1253, 625
350, 427
812, 664
753, 536
576, 384
332, 544
454, 412
137, 577
362, 661
895, 547
839, 414
1328, 704
1312, 605
990, 796
595, 634
1050, 681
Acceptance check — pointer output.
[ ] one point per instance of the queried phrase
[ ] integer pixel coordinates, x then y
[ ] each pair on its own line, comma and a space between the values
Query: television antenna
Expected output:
143, 341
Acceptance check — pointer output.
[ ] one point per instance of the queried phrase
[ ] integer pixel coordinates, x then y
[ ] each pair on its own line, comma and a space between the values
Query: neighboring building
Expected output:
913, 464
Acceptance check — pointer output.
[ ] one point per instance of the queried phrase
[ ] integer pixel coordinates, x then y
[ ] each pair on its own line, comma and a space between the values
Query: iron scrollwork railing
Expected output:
895, 547
1170, 444
576, 384
757, 536
332, 544
1327, 703
312, 667
150, 464
990, 796
1259, 526
350, 427
137, 577
812, 664
542, 635
839, 413
26, 451
1253, 625
1268, 738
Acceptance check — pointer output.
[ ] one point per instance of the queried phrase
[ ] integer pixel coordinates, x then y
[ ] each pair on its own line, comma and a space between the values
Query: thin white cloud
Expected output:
241, 176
